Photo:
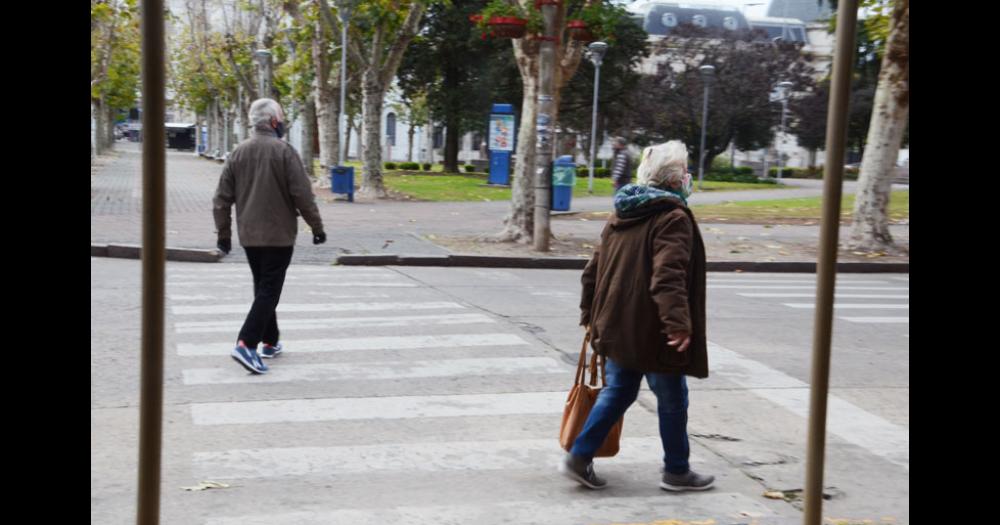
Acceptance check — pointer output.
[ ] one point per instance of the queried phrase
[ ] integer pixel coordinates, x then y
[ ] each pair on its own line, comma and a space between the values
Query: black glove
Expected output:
224, 245
319, 238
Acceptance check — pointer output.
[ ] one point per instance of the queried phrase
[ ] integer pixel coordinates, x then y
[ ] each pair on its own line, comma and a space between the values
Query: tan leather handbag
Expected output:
581, 400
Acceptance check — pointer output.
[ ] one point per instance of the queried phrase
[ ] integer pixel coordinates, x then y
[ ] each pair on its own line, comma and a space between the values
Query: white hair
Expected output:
262, 109
662, 165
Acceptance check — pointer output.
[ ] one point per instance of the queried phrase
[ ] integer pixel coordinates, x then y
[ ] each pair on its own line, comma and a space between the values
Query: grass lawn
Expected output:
473, 187
801, 209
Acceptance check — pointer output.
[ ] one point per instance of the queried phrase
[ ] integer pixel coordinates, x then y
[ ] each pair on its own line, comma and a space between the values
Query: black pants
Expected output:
268, 266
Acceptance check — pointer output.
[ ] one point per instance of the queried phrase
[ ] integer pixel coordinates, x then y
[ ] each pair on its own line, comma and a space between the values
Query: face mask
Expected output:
280, 129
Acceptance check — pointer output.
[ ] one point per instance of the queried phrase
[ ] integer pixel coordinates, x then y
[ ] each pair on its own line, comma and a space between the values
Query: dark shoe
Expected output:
581, 471
248, 359
270, 352
690, 480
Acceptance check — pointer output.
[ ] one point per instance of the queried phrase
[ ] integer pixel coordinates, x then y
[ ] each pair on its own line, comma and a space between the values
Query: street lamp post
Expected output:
783, 88
597, 50
707, 75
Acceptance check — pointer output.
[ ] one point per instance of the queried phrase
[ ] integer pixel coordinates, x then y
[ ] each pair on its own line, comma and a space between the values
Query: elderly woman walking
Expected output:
644, 306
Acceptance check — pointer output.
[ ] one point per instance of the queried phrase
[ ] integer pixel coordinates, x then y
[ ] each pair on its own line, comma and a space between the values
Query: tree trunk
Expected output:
110, 130
373, 92
451, 146
812, 158
99, 127
519, 225
347, 139
361, 141
327, 102
308, 135
870, 229
409, 149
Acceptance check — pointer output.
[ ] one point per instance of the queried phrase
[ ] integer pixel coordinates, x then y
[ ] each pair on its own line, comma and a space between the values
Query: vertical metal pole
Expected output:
593, 128
343, 82
836, 136
153, 261
704, 124
543, 129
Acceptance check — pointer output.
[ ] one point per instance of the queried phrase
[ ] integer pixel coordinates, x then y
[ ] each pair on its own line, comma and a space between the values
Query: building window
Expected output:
390, 128
729, 23
669, 20
699, 20
438, 137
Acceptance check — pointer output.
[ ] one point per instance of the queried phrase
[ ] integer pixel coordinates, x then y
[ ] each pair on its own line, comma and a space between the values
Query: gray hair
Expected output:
662, 165
263, 109
620, 141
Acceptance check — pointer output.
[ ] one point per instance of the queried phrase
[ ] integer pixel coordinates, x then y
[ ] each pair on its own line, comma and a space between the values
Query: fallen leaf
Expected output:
783, 252
205, 485
768, 226
773, 246
584, 220
431, 236
588, 246
774, 494
735, 251
413, 220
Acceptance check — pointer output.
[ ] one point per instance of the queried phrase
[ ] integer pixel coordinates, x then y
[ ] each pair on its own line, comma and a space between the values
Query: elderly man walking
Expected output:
264, 177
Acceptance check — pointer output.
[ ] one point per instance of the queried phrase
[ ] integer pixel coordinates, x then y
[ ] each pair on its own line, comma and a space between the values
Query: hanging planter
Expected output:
578, 30
507, 26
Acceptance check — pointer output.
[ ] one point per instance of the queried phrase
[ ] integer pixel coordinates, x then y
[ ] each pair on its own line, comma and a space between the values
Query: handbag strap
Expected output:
583, 359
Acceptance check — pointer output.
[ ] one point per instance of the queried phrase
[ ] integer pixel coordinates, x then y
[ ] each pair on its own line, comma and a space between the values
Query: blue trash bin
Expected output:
342, 181
563, 180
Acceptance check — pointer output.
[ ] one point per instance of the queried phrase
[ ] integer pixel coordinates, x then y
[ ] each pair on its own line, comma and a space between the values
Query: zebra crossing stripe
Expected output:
397, 407
194, 327
403, 342
316, 307
375, 370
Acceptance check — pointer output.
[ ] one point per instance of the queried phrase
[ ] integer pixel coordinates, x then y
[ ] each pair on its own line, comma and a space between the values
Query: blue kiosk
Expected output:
501, 143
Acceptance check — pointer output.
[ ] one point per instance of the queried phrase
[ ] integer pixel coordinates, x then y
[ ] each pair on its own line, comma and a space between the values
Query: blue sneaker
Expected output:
248, 359
270, 352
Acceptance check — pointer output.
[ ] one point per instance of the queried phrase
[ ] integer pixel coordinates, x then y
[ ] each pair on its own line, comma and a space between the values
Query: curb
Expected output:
572, 263
134, 251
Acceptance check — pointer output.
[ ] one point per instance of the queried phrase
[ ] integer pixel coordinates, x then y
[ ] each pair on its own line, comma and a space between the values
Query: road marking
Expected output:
194, 327
404, 342
845, 420
853, 306
876, 319
839, 295
399, 407
375, 370
316, 307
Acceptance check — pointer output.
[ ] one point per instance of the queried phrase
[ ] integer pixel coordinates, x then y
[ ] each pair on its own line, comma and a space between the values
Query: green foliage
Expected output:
389, 165
469, 168
426, 166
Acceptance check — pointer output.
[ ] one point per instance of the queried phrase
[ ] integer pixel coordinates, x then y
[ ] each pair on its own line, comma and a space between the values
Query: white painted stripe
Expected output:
180, 297
887, 320
853, 306
403, 457
289, 275
316, 307
849, 422
804, 287
839, 295
194, 327
402, 407
345, 284
785, 281
381, 370
403, 342
556, 294
546, 512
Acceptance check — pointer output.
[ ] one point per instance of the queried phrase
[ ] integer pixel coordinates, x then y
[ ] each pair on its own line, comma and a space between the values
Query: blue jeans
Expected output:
622, 389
